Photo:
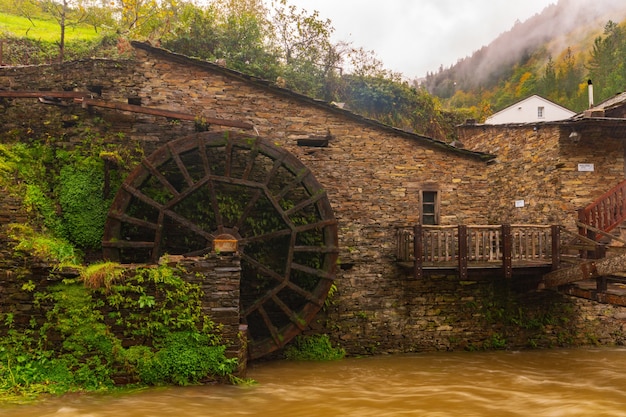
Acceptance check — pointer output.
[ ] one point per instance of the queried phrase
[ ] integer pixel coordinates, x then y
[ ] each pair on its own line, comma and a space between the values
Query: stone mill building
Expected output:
321, 203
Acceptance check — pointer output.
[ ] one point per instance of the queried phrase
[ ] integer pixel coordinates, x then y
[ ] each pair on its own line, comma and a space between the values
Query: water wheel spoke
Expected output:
266, 236
203, 156
236, 181
189, 191
293, 317
306, 294
314, 199
141, 196
151, 168
297, 181
248, 210
268, 323
272, 173
189, 225
316, 249
312, 271
316, 225
181, 166
263, 269
254, 152
229, 158
124, 218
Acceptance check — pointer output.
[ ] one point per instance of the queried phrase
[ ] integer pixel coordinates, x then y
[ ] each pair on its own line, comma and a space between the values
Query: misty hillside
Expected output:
565, 30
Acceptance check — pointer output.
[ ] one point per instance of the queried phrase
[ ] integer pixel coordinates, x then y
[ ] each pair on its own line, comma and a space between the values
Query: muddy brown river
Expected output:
565, 382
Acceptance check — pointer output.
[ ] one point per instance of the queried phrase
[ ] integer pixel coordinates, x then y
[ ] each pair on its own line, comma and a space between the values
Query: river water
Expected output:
568, 382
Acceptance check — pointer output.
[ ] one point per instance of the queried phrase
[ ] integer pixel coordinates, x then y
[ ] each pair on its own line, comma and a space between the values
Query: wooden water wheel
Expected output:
208, 184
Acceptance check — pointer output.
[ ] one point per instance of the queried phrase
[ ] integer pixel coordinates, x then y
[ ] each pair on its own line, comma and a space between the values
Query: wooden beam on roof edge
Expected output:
164, 113
37, 94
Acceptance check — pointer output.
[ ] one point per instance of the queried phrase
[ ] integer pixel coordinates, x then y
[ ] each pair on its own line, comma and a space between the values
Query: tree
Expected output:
66, 12
25, 8
547, 85
606, 62
308, 55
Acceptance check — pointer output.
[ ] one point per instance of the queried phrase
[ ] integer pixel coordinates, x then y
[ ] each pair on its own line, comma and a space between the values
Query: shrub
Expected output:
313, 348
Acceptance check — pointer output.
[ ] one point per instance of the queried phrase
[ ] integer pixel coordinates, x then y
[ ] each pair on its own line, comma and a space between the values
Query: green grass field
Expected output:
44, 30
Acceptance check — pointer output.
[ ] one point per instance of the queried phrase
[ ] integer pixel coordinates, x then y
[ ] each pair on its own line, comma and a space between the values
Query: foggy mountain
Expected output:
572, 23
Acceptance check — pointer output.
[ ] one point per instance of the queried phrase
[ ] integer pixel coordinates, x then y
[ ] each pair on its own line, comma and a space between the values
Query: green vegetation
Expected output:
45, 30
70, 343
313, 348
145, 326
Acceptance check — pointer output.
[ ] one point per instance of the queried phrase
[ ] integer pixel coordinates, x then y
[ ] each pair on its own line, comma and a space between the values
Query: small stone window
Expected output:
540, 112
430, 207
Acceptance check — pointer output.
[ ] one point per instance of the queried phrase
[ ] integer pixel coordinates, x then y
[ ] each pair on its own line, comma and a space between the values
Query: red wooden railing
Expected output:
607, 211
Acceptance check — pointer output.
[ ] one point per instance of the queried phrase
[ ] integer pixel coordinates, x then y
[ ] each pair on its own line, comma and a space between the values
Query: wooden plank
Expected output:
507, 258
462, 236
37, 94
164, 113
556, 249
586, 270
418, 251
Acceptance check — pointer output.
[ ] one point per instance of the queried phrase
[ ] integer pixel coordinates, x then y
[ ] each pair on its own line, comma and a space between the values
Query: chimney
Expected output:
590, 88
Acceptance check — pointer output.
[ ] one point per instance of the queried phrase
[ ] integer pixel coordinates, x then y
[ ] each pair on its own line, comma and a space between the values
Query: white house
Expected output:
530, 110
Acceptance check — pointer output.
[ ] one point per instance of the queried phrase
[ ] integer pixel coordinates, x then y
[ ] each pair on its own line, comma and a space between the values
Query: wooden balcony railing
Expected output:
606, 212
490, 246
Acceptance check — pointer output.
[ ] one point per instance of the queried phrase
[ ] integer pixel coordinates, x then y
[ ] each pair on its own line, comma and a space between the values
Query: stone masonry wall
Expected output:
217, 275
539, 164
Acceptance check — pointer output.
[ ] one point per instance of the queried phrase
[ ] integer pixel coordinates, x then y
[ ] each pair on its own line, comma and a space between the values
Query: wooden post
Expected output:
507, 252
418, 251
462, 236
556, 246
582, 231
601, 284
600, 251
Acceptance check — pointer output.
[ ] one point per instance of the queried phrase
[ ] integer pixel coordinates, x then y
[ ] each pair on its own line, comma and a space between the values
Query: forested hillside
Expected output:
553, 54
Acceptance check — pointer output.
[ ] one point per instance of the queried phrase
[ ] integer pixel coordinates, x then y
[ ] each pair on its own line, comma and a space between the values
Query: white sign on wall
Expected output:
585, 167
519, 203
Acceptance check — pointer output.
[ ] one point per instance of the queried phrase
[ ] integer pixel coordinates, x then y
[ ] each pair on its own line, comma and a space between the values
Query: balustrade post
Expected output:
507, 252
556, 246
418, 251
462, 236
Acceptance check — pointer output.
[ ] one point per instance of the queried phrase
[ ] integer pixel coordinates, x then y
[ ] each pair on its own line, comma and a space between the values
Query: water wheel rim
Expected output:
157, 200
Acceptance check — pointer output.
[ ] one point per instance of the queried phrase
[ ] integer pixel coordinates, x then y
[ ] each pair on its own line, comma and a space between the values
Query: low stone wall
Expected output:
218, 276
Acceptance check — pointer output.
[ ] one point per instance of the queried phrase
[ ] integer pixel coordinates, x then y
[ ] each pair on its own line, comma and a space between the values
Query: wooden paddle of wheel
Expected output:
220, 183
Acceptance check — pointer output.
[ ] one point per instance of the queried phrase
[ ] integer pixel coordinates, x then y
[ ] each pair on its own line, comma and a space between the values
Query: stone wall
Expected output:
217, 275
440, 312
538, 163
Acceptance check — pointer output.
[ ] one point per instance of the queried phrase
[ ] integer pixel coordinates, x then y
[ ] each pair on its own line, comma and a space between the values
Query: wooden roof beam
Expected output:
86, 102
37, 94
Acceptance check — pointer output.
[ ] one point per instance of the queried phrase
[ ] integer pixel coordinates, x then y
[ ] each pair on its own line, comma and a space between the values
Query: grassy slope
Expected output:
44, 30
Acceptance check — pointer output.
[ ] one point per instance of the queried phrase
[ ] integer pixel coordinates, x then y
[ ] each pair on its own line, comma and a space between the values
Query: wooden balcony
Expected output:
465, 247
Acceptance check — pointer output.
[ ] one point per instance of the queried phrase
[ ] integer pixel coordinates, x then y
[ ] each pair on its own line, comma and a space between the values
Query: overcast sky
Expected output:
417, 36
